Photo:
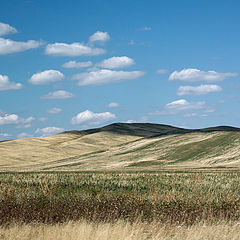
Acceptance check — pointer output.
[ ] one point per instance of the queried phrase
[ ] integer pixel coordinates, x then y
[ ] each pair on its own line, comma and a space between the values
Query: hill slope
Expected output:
124, 146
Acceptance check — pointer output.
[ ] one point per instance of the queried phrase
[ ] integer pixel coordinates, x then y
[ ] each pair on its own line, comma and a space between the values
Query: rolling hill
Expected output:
128, 146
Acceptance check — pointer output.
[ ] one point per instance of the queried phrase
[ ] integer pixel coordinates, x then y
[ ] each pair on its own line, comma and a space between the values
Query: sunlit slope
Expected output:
35, 151
124, 146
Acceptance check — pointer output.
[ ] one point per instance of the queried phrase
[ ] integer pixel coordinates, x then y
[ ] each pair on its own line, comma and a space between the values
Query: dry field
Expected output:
168, 205
166, 197
121, 231
124, 147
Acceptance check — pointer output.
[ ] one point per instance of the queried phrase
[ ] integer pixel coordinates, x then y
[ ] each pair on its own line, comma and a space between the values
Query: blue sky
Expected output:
82, 64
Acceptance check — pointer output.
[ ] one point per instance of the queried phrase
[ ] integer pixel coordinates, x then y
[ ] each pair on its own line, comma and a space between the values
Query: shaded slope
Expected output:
135, 129
148, 129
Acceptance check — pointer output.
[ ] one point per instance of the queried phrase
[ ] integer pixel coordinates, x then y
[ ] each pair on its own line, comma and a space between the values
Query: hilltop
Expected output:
125, 146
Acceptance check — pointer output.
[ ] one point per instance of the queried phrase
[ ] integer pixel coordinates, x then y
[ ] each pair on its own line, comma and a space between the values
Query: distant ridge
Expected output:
148, 129
219, 128
124, 146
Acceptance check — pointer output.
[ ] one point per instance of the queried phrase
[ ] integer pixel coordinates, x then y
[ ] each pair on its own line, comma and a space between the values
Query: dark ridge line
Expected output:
148, 130
145, 130
5, 141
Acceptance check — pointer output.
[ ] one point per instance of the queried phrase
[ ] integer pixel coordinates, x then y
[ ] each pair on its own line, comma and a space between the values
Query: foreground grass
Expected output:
121, 231
167, 198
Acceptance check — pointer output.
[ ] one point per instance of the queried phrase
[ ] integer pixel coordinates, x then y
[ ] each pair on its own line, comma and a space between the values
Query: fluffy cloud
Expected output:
90, 118
116, 62
45, 77
6, 29
179, 106
161, 71
26, 120
74, 49
105, 76
198, 90
43, 132
54, 110
14, 119
9, 46
183, 104
9, 119
74, 64
99, 37
195, 75
5, 84
113, 105
60, 94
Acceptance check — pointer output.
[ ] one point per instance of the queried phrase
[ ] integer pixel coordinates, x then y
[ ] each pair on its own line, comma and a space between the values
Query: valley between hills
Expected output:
125, 146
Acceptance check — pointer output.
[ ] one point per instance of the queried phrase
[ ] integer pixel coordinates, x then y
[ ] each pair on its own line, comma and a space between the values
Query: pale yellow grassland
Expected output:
116, 151
121, 231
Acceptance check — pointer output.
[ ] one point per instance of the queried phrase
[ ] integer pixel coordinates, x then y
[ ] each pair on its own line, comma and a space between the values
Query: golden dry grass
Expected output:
121, 231
110, 151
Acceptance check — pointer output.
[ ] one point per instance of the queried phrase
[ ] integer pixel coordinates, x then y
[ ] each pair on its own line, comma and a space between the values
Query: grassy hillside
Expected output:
125, 146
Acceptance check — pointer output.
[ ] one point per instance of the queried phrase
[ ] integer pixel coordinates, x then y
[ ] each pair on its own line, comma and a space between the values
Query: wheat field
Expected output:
121, 231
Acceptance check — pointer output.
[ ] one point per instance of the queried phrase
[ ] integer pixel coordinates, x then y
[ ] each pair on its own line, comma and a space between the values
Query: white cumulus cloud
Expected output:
183, 104
5, 84
26, 120
9, 119
87, 118
74, 64
195, 75
178, 106
6, 29
116, 62
198, 90
113, 105
99, 37
54, 110
105, 76
74, 49
9, 46
6, 118
45, 77
43, 132
60, 94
